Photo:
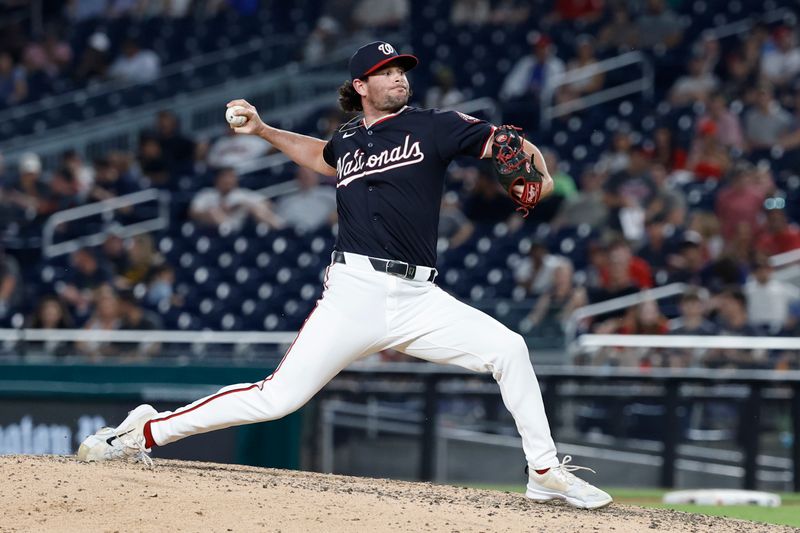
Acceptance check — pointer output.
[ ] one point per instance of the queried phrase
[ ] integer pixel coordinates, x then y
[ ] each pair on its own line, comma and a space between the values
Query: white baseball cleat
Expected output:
559, 483
126, 441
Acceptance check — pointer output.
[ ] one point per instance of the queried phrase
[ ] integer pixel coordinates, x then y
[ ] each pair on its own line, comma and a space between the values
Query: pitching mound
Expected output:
61, 494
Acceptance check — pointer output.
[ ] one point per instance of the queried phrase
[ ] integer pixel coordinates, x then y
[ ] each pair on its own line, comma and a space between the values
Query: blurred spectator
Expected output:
620, 34
707, 48
621, 257
535, 272
555, 305
667, 201
790, 141
72, 161
656, 248
532, 75
80, 10
732, 320
50, 313
666, 152
628, 192
587, 206
584, 57
228, 206
106, 316
739, 202
766, 122
64, 190
13, 85
381, 14
643, 319
659, 26
162, 287
153, 162
706, 225
323, 39
135, 318
688, 264
87, 273
487, 202
232, 149
444, 93
108, 183
695, 86
93, 64
741, 65
692, 319
135, 65
728, 126
586, 11
10, 284
779, 235
310, 207
115, 253
470, 13
178, 150
453, 223
768, 299
511, 12
708, 158
142, 260
618, 157
30, 194
781, 63
615, 281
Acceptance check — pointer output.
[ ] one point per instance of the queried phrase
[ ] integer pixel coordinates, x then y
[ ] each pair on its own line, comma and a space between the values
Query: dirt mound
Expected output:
60, 494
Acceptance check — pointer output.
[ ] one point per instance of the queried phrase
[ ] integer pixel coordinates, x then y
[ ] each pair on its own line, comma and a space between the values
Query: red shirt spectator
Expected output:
739, 203
779, 236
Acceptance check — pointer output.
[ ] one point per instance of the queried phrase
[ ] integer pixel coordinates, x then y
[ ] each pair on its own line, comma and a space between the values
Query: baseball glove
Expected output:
515, 169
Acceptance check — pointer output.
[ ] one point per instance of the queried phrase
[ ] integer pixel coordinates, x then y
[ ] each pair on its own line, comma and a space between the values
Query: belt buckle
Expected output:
390, 263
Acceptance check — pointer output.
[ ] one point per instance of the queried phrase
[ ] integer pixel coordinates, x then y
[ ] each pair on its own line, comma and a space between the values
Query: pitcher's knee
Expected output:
513, 350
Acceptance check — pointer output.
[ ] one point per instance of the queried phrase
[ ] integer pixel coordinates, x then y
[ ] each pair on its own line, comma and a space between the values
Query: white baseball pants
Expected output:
362, 311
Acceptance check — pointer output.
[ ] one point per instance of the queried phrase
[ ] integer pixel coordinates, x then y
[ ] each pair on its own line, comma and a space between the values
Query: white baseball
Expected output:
234, 118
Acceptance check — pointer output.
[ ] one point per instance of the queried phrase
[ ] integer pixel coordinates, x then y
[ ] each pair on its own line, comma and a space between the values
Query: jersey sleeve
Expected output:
460, 134
328, 154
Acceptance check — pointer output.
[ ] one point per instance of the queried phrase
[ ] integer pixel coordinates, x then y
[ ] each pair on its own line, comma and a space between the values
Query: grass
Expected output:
787, 514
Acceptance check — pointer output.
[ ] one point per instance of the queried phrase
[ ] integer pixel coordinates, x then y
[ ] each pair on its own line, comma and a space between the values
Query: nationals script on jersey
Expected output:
390, 178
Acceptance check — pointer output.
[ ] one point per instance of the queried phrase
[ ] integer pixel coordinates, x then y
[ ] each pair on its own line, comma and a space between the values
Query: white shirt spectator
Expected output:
539, 281
142, 67
235, 204
233, 150
768, 303
307, 210
518, 81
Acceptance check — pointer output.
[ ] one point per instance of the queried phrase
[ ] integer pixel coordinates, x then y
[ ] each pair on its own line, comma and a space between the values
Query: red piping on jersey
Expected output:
268, 378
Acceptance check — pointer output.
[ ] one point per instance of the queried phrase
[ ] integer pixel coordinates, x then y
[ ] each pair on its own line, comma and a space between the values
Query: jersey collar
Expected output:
383, 118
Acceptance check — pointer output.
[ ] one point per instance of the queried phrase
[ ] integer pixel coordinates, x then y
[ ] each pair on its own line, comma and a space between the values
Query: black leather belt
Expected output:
396, 268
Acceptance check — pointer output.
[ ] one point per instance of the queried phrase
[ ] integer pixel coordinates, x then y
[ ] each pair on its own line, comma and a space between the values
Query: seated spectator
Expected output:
535, 272
766, 123
615, 281
555, 306
668, 201
106, 316
487, 202
64, 190
620, 34
781, 63
108, 183
643, 319
768, 299
381, 14
93, 64
137, 319
584, 57
30, 195
741, 66
228, 207
116, 255
161, 287
708, 158
13, 85
50, 313
779, 235
692, 319
659, 26
178, 149
469, 13
696, 86
135, 65
790, 141
231, 149
87, 274
628, 192
706, 225
153, 163
453, 223
528, 79
10, 284
688, 265
311, 207
740, 201
142, 261
732, 320
618, 158
587, 205
620, 257
323, 40
72, 161
656, 248
444, 93
666, 152
585, 11
728, 126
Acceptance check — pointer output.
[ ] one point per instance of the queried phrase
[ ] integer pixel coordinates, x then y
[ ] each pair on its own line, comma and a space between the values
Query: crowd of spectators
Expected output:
635, 194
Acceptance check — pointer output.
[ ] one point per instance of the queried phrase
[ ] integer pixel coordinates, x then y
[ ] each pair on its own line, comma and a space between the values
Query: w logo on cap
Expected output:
386, 48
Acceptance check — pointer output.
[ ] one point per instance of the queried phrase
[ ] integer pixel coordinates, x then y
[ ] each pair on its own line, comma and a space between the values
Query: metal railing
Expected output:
644, 84
106, 208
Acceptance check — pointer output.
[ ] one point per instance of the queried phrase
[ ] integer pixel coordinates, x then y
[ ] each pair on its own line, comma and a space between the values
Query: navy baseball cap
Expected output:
374, 56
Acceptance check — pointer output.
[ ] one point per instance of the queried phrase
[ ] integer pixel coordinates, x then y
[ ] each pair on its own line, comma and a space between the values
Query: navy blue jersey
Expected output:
390, 178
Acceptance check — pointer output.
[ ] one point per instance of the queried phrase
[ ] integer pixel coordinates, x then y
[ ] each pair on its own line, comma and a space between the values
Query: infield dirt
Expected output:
47, 493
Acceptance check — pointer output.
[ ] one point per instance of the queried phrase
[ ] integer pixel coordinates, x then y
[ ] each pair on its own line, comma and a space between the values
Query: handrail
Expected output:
743, 25
785, 258
51, 249
689, 341
615, 304
162, 336
644, 85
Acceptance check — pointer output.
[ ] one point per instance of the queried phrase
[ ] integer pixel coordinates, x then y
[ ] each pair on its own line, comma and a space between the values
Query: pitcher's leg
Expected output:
450, 331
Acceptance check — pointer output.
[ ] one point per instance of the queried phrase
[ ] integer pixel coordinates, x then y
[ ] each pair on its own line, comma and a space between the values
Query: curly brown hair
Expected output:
349, 99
